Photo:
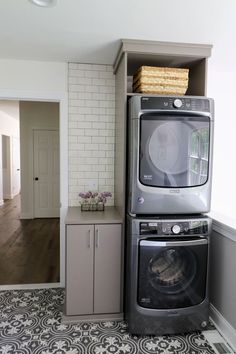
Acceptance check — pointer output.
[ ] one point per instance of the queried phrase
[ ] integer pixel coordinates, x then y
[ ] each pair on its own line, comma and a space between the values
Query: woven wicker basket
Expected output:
169, 81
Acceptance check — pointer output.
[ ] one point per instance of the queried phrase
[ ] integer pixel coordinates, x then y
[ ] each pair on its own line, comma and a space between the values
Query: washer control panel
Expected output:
176, 228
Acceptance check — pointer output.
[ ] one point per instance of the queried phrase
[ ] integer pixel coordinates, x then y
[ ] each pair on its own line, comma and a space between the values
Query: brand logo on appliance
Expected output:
145, 300
148, 177
175, 191
172, 313
140, 200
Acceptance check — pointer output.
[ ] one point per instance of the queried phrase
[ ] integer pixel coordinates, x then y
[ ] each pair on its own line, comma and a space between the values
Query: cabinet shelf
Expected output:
197, 68
134, 54
166, 54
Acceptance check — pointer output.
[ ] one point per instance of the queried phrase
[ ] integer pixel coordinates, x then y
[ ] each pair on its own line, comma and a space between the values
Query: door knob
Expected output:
36, 178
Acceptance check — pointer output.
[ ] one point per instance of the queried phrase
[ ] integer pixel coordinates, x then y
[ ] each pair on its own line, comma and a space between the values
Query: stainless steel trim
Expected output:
177, 113
170, 220
173, 243
132, 215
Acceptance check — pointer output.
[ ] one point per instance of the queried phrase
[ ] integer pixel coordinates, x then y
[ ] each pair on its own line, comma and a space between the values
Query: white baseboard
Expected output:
223, 326
30, 286
15, 194
1, 202
8, 196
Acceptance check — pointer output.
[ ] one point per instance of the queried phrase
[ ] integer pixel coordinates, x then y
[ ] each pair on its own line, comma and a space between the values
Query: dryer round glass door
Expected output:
172, 274
164, 149
174, 150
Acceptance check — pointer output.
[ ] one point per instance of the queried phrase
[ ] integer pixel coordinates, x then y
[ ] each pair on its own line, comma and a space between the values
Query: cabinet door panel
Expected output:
107, 268
79, 269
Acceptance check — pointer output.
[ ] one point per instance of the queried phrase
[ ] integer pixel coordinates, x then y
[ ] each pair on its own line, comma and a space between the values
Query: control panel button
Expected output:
176, 229
177, 103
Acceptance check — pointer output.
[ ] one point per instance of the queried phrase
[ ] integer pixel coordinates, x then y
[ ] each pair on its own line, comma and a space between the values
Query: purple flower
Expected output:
102, 197
107, 194
82, 195
86, 195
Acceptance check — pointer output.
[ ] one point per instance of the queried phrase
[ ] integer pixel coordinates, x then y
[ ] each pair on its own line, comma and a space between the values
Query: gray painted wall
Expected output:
223, 276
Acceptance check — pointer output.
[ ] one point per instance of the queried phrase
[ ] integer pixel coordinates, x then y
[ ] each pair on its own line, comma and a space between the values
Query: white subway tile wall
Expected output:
91, 129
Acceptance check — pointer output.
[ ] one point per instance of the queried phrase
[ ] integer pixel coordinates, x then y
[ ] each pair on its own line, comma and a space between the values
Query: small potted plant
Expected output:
85, 200
93, 201
102, 199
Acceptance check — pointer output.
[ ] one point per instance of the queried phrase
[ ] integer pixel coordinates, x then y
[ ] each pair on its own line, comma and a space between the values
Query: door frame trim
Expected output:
62, 98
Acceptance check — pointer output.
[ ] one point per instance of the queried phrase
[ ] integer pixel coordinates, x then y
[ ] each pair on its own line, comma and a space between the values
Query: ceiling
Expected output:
89, 31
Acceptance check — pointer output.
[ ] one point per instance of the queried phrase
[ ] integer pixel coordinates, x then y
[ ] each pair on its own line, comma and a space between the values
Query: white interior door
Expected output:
6, 167
15, 166
1, 173
46, 174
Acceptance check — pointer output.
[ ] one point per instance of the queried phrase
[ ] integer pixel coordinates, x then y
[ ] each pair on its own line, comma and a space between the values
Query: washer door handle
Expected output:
200, 241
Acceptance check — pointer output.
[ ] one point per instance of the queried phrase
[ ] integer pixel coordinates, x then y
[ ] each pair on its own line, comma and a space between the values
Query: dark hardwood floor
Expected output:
29, 249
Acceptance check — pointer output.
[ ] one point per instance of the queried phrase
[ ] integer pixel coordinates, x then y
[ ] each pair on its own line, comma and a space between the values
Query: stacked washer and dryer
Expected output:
169, 168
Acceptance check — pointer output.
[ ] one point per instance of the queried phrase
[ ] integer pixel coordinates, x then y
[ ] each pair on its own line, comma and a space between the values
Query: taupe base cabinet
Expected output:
94, 264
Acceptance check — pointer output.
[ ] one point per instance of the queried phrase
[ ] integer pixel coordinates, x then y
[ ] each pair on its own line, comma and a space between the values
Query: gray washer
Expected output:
167, 274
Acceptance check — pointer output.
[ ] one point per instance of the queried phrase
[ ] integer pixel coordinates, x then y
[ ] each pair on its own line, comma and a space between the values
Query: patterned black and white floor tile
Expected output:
30, 323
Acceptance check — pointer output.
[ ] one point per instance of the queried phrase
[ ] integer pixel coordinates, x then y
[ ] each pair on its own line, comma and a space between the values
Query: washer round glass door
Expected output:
172, 270
172, 274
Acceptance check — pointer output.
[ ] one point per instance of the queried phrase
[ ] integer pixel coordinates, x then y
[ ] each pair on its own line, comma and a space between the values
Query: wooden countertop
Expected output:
109, 216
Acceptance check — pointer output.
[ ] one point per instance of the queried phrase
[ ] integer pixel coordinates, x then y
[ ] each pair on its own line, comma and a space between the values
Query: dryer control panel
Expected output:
175, 103
175, 227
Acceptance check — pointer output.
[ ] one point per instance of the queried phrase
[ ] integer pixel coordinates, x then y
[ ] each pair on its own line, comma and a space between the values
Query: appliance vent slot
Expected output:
222, 348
